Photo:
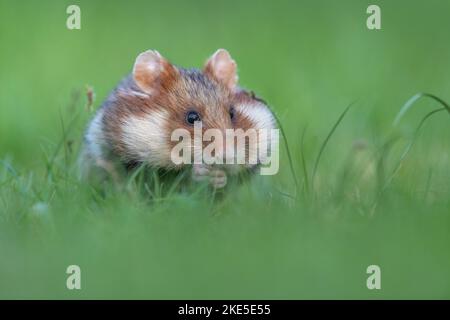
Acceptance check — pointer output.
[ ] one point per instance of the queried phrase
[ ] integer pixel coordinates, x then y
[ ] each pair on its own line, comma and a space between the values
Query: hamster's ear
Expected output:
223, 68
151, 70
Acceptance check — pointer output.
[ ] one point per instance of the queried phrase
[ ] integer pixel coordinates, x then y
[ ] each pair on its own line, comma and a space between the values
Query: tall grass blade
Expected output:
305, 170
408, 105
325, 142
288, 152
409, 146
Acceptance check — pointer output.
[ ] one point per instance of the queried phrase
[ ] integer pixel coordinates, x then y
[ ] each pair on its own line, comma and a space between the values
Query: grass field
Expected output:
380, 194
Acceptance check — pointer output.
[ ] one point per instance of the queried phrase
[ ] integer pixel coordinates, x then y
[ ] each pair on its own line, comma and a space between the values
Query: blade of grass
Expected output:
63, 139
409, 147
408, 105
176, 183
325, 142
288, 152
132, 178
157, 185
305, 170
10, 169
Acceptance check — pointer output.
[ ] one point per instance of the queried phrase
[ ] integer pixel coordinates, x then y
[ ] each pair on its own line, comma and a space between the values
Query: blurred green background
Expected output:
309, 60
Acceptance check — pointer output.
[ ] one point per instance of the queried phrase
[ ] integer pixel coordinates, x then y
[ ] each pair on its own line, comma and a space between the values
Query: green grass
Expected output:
359, 186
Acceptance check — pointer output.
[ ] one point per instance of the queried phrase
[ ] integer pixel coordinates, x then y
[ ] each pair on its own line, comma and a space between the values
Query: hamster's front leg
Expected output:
216, 177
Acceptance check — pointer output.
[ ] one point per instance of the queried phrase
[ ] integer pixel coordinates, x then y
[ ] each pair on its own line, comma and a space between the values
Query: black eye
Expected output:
232, 113
192, 116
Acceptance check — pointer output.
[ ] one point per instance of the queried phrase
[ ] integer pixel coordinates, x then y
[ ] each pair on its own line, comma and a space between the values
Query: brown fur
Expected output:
180, 92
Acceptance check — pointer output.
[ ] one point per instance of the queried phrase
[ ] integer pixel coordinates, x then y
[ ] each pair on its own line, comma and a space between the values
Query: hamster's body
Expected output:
134, 125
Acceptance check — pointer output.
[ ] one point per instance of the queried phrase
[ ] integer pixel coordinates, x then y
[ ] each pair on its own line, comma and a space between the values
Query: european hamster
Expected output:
135, 124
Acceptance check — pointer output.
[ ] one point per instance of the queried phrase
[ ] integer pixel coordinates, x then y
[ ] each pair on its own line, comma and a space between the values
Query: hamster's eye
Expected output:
192, 116
232, 113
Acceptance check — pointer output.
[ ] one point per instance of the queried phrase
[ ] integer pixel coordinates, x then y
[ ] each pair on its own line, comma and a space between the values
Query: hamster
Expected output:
135, 124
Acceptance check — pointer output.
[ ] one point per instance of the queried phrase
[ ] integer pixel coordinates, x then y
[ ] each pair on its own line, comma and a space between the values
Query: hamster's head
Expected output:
166, 103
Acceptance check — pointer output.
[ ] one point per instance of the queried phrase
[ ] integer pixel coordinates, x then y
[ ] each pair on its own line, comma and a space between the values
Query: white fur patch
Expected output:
145, 138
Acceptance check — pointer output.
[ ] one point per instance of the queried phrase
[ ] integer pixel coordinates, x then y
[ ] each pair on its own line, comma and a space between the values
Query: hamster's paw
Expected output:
216, 177
200, 172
